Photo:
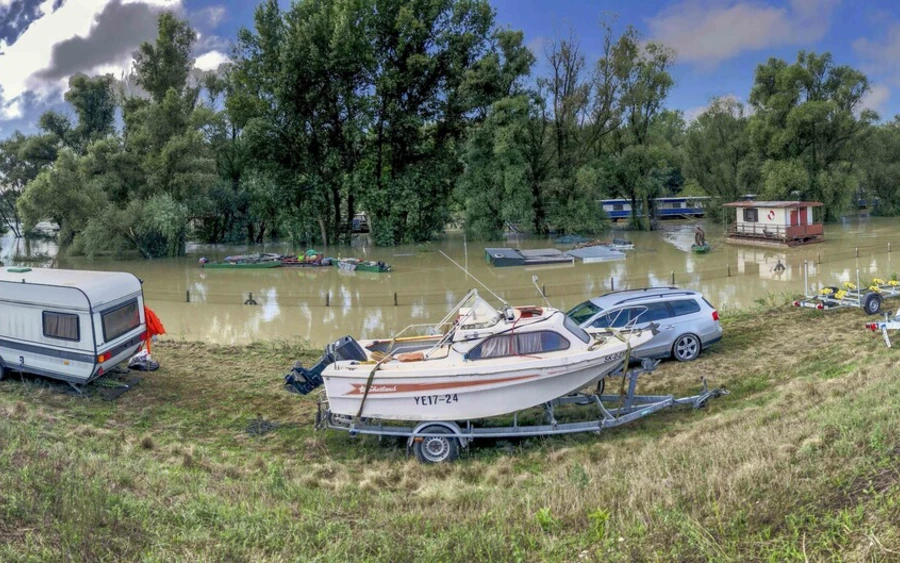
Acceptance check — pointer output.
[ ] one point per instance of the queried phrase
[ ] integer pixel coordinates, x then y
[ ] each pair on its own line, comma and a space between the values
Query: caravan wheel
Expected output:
436, 449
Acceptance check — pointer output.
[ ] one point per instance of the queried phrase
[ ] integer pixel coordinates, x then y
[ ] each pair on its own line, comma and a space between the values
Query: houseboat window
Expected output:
120, 320
751, 215
63, 326
618, 207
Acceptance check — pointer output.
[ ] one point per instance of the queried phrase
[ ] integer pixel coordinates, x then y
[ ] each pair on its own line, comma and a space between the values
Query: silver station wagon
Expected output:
688, 323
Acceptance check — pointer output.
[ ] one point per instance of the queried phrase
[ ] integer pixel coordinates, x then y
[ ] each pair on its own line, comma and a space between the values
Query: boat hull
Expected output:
463, 393
242, 266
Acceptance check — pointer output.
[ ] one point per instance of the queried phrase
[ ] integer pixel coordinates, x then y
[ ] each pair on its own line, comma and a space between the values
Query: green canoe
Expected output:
243, 265
701, 249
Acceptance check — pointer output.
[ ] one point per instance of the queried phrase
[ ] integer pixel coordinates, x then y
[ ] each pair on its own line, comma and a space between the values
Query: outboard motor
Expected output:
304, 380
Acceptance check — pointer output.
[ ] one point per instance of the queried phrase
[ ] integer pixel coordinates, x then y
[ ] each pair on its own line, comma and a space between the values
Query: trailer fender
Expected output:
451, 426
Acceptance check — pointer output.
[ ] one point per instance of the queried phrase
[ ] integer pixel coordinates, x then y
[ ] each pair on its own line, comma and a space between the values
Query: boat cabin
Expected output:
775, 223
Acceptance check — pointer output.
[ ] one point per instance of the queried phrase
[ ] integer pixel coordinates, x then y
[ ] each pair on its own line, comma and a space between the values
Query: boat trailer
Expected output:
869, 298
889, 323
441, 441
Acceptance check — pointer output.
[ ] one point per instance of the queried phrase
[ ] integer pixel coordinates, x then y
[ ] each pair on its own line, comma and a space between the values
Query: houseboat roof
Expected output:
774, 204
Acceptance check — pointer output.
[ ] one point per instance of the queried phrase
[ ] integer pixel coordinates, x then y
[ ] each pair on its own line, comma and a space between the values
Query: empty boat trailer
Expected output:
68, 324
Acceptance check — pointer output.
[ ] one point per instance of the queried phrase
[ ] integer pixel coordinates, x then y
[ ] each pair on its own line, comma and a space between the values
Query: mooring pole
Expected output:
328, 299
543, 291
729, 270
857, 252
673, 277
395, 299
187, 296
612, 284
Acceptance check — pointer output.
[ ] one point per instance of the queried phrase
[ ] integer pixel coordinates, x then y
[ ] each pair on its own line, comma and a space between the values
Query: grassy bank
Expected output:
801, 462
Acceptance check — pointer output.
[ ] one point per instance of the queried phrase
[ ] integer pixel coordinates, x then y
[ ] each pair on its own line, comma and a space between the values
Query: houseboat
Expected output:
775, 223
665, 207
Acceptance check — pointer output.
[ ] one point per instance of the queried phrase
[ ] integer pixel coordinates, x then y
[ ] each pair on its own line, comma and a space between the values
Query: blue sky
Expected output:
719, 42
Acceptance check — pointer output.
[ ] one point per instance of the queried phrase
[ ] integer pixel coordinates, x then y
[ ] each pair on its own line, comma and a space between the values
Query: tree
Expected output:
719, 155
808, 127
166, 64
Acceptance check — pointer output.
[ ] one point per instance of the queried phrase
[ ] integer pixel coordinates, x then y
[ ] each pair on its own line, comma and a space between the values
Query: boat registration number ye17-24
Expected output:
429, 400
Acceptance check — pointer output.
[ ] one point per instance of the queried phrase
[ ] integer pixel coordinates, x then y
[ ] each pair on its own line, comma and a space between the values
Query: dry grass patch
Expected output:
800, 463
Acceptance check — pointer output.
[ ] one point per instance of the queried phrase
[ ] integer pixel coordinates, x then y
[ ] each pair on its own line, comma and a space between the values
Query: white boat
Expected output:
485, 362
348, 264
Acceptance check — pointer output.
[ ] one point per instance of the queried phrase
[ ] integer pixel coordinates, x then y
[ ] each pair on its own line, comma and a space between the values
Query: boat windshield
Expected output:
583, 312
476, 313
576, 330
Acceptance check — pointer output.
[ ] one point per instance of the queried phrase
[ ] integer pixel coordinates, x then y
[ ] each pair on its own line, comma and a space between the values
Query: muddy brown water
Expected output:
321, 304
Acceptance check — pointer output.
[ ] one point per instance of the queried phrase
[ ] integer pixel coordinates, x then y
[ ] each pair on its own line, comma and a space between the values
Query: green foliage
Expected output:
808, 128
546, 520
166, 64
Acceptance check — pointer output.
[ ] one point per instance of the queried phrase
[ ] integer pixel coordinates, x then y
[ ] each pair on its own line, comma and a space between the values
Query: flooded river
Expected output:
320, 304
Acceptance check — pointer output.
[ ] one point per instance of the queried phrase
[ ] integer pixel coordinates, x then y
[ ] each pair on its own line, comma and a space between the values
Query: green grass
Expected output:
800, 463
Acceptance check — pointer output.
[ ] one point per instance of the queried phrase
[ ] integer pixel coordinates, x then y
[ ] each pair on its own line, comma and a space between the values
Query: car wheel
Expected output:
686, 348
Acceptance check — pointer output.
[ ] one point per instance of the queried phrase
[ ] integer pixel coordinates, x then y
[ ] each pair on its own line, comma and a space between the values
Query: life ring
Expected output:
771, 214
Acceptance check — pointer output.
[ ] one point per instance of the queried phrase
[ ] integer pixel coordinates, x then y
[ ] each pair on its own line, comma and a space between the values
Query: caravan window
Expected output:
120, 320
63, 326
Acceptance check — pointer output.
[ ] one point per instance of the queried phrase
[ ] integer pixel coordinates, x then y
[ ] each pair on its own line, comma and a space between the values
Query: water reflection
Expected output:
321, 304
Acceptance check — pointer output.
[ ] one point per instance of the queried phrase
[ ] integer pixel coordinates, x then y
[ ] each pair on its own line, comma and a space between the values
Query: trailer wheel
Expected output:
2, 372
436, 449
872, 303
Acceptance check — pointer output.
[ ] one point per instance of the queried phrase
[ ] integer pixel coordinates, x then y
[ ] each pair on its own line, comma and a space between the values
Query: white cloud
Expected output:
881, 57
211, 61
11, 111
210, 16
876, 98
33, 50
707, 32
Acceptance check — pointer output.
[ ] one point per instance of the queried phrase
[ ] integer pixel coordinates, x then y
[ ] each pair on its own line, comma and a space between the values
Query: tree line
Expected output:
421, 113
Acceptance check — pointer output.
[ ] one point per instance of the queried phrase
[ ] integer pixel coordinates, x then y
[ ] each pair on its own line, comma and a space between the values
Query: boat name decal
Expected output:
614, 357
360, 388
428, 400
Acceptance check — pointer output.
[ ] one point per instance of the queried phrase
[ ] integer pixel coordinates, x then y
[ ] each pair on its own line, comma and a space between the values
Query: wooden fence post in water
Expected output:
187, 296
612, 284
729, 270
673, 277
857, 252
543, 290
328, 299
395, 299
889, 248
818, 258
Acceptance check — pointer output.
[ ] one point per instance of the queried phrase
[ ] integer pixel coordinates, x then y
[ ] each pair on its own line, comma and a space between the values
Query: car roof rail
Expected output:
639, 297
651, 288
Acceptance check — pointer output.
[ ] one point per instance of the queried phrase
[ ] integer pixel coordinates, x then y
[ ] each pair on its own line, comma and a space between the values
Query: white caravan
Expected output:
68, 324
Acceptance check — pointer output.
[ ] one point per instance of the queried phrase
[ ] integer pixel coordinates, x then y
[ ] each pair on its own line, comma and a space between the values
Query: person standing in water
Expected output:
700, 237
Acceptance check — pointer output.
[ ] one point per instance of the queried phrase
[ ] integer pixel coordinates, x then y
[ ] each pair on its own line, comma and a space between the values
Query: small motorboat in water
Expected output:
355, 265
478, 362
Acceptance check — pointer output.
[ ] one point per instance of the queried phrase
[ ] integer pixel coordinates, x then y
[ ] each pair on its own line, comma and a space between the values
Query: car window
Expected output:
654, 312
685, 307
583, 312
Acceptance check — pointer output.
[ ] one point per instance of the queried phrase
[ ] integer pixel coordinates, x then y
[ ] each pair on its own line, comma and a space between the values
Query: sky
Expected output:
718, 42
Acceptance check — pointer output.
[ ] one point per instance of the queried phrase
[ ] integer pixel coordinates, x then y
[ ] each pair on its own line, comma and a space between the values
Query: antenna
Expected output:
534, 280
500, 299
